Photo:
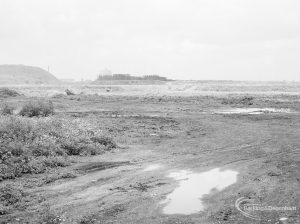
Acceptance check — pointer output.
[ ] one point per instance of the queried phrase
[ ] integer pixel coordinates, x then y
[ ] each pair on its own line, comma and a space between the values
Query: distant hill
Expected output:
21, 74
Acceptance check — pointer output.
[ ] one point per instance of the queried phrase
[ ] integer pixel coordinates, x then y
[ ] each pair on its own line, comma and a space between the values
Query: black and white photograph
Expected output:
149, 112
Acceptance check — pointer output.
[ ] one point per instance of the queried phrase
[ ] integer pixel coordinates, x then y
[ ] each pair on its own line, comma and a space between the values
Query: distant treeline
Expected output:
131, 77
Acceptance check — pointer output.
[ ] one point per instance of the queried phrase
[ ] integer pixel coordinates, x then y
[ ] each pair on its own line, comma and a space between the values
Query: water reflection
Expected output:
186, 198
152, 167
253, 110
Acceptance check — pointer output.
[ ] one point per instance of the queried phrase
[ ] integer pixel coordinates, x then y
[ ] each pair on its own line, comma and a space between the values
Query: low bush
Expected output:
32, 145
37, 109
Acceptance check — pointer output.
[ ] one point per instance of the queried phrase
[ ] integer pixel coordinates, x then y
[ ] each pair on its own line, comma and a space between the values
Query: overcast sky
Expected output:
180, 39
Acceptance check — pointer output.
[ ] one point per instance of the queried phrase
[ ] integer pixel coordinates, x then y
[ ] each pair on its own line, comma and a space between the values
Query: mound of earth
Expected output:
21, 74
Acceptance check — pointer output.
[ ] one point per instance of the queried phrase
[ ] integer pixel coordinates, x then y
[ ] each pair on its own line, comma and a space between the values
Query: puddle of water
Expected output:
186, 198
254, 110
152, 167
283, 220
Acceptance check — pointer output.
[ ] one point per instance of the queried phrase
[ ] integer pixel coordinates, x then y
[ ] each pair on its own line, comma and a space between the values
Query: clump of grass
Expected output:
7, 109
37, 109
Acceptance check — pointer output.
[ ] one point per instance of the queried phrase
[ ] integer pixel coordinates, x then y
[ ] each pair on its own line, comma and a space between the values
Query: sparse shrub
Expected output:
108, 142
37, 109
6, 92
76, 147
72, 148
7, 109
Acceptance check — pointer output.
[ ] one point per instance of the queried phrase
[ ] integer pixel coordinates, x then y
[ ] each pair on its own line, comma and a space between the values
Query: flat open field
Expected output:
165, 137
170, 88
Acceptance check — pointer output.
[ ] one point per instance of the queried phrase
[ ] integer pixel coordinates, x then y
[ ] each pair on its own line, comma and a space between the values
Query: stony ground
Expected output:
176, 133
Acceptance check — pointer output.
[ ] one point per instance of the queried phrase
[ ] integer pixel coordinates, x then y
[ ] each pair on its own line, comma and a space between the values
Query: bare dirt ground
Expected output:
174, 133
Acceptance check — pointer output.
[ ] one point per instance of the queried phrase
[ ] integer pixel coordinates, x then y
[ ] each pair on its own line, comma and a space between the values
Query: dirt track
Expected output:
178, 134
